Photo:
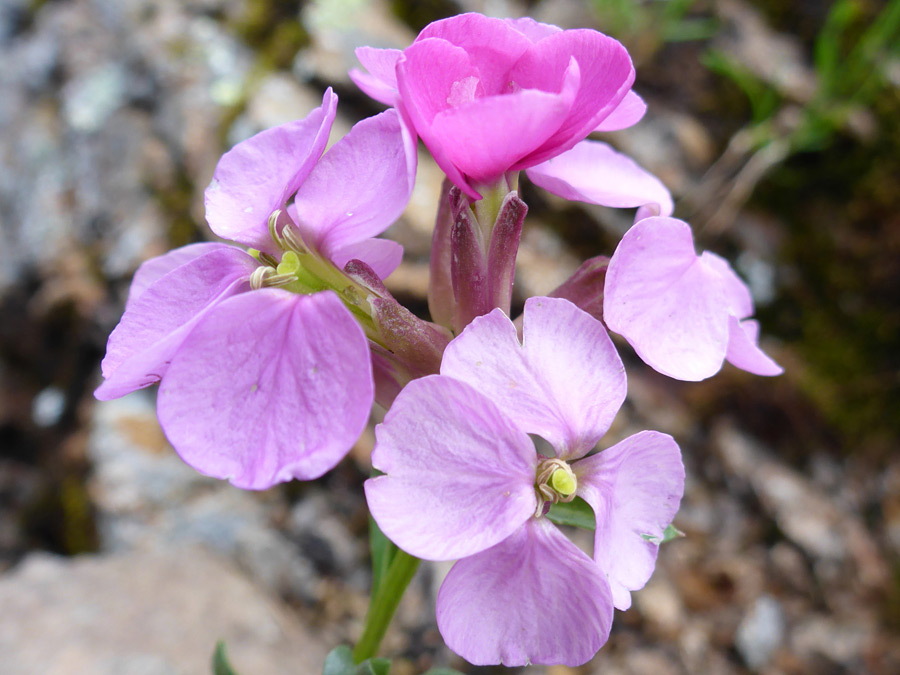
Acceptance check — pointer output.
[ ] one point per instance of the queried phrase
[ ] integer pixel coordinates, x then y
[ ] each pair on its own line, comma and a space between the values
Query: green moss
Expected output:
175, 201
274, 30
840, 305
79, 534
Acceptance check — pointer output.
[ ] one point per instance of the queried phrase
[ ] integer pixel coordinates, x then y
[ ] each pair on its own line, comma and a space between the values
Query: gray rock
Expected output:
48, 406
148, 499
89, 101
761, 632
842, 641
144, 614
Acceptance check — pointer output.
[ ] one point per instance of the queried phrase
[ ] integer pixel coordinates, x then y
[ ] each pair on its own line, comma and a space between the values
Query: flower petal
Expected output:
533, 30
635, 488
154, 269
486, 137
157, 321
381, 81
259, 175
670, 308
593, 172
743, 350
431, 73
460, 476
737, 294
606, 76
493, 45
382, 255
628, 113
360, 186
565, 382
533, 598
270, 386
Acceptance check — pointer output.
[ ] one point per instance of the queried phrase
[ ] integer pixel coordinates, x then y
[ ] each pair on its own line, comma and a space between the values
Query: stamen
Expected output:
273, 229
555, 482
268, 259
266, 277
258, 277
292, 239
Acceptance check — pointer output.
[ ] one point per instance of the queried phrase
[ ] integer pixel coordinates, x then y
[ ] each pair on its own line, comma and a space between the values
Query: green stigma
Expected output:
290, 263
563, 481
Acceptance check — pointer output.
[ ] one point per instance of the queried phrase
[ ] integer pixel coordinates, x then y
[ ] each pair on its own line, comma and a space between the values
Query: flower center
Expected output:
554, 482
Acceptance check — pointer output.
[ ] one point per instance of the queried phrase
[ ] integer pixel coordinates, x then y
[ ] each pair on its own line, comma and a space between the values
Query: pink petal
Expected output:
382, 255
429, 74
460, 476
628, 113
635, 488
157, 321
593, 172
259, 175
270, 386
533, 598
670, 308
743, 350
360, 186
381, 81
493, 45
533, 30
486, 137
434, 75
606, 76
564, 383
737, 294
152, 270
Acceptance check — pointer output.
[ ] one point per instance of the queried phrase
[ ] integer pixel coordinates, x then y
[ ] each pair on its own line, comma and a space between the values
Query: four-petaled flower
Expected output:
488, 96
464, 482
265, 374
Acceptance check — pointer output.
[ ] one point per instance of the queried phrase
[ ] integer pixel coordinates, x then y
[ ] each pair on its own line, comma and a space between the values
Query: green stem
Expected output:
384, 604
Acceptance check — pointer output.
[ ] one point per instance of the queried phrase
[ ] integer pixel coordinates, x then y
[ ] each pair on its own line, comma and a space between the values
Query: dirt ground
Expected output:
775, 125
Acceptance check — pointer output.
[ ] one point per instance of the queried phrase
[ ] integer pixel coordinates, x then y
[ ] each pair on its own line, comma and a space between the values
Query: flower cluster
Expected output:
269, 357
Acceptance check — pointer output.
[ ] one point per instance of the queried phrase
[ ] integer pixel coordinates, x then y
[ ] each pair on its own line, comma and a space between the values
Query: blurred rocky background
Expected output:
777, 127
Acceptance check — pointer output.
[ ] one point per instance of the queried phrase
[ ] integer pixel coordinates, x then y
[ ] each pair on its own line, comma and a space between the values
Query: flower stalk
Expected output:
384, 604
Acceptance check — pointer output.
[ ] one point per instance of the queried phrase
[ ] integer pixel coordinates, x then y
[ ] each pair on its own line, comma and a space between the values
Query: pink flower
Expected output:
684, 314
488, 96
264, 374
464, 482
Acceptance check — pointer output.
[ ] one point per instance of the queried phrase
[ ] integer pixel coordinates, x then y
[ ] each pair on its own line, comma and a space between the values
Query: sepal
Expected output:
584, 288
507, 232
468, 267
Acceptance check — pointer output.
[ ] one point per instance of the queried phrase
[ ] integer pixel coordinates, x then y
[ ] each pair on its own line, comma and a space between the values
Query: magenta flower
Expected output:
463, 481
684, 314
265, 373
488, 96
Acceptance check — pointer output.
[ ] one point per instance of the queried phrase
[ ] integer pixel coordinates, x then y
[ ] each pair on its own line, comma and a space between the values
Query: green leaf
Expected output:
383, 551
220, 663
576, 513
339, 662
374, 667
670, 533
